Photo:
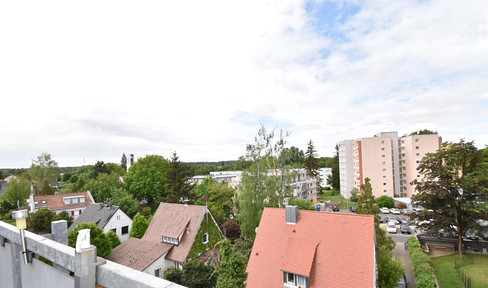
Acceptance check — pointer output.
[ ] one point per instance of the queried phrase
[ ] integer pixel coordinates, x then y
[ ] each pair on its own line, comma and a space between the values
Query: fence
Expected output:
466, 279
69, 268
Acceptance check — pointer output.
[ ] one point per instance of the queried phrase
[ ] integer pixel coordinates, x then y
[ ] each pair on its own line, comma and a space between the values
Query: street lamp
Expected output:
20, 217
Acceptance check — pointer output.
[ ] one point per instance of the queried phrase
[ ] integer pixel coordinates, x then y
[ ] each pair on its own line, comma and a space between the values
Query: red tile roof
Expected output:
171, 220
333, 249
137, 253
55, 202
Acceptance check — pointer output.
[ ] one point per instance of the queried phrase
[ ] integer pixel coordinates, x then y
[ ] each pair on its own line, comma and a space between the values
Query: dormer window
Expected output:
294, 280
169, 240
205, 238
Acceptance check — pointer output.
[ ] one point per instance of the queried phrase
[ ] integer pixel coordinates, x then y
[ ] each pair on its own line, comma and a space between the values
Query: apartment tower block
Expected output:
388, 160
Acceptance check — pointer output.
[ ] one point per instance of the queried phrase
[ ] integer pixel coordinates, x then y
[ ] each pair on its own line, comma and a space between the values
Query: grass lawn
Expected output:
448, 276
328, 196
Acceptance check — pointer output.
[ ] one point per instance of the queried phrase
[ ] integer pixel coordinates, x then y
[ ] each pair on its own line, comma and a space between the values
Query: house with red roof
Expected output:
177, 233
313, 249
72, 203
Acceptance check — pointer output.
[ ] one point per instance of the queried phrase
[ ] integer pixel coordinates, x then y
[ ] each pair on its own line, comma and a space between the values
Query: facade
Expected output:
295, 248
107, 217
304, 186
388, 160
232, 178
177, 233
73, 203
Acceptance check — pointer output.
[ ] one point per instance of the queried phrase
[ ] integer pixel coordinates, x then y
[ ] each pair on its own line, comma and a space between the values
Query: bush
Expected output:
173, 274
421, 265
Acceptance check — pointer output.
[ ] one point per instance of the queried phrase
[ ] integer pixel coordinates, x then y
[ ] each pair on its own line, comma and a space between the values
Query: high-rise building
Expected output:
389, 161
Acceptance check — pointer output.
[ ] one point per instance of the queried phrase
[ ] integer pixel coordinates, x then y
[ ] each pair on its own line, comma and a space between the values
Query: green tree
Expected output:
302, 204
386, 201
113, 239
220, 197
97, 238
177, 181
326, 162
45, 173
390, 269
424, 132
139, 226
264, 183
453, 185
100, 168
232, 268
293, 156
334, 178
354, 194
125, 201
311, 164
146, 178
198, 275
103, 186
40, 221
115, 169
66, 176
16, 192
174, 275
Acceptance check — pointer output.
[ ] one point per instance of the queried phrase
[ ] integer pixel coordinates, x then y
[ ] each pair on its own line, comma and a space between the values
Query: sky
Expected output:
87, 81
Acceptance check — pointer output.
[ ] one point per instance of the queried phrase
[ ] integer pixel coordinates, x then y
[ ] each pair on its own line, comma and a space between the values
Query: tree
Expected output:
302, 204
100, 168
389, 270
423, 132
115, 169
139, 226
232, 268
220, 197
113, 239
125, 201
177, 181
334, 179
97, 238
453, 184
264, 183
293, 156
16, 193
103, 186
326, 162
231, 230
386, 201
354, 194
45, 173
311, 164
146, 178
40, 221
198, 275
174, 275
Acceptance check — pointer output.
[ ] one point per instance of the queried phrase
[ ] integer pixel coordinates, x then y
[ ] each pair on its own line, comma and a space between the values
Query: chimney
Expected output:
291, 214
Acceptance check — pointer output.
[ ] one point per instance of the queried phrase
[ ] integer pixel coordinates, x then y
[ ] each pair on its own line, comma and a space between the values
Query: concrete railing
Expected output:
69, 268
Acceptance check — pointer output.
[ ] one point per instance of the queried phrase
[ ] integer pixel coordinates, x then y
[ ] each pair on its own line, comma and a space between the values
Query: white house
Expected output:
107, 217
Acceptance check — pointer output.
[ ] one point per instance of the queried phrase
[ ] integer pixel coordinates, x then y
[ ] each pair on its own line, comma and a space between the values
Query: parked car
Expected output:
391, 227
403, 220
395, 211
405, 229
335, 208
353, 208
402, 283
385, 210
471, 235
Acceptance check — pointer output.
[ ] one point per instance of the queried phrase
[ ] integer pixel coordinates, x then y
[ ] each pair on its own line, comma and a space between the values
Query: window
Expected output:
417, 140
114, 230
82, 200
417, 147
418, 161
384, 176
157, 272
125, 230
383, 142
383, 156
118, 217
384, 184
384, 191
384, 169
383, 149
383, 163
418, 154
294, 280
205, 238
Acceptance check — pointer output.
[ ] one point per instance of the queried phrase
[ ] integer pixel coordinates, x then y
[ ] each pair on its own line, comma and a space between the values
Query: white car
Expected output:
395, 211
391, 227
385, 210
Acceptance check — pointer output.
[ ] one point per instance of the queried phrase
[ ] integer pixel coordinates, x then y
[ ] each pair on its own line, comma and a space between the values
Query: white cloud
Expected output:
97, 79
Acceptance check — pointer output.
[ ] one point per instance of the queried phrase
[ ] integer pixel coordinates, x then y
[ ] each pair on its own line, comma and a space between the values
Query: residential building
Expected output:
232, 178
324, 175
389, 161
177, 233
107, 217
72, 203
295, 248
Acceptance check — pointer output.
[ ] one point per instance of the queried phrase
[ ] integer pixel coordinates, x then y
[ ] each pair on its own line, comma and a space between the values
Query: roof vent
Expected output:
291, 214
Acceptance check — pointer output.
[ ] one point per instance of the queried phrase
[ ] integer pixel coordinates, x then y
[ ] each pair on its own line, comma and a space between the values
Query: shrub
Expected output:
421, 265
173, 274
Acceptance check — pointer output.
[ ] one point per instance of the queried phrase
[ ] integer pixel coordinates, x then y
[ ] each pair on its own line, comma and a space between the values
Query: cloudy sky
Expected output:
89, 80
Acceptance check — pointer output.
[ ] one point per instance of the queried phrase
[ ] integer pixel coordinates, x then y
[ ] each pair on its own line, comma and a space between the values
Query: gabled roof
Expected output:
331, 249
173, 220
99, 214
55, 202
138, 253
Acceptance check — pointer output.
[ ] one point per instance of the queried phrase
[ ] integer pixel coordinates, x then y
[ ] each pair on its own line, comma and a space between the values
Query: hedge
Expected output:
421, 265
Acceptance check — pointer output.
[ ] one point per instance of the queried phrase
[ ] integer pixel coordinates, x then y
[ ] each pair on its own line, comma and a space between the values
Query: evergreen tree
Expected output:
311, 164
177, 178
334, 178
139, 226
